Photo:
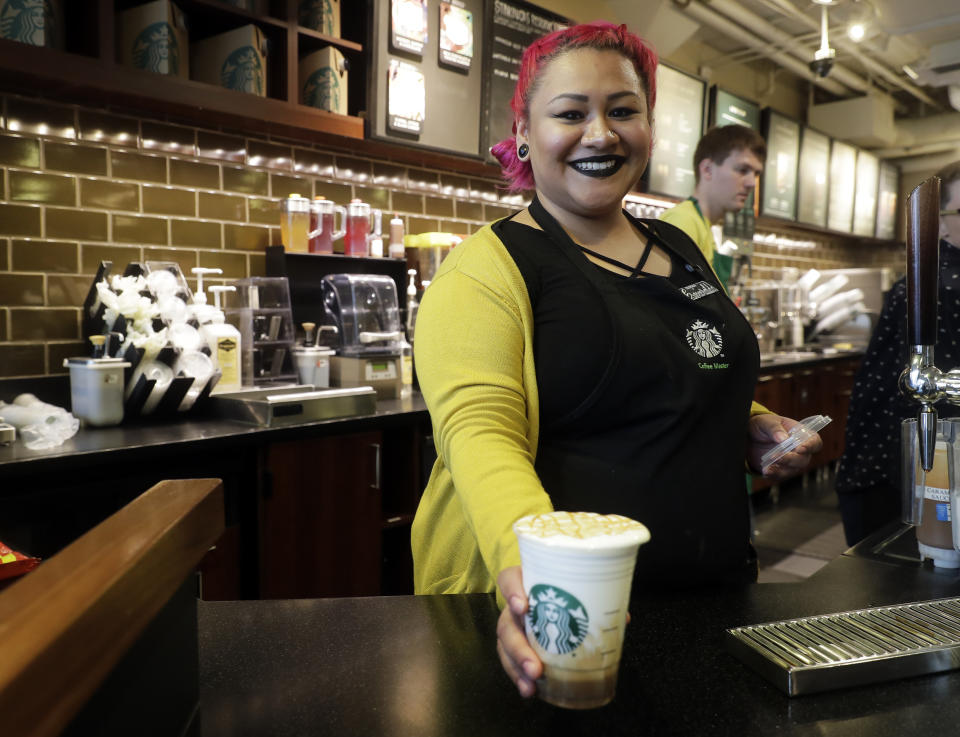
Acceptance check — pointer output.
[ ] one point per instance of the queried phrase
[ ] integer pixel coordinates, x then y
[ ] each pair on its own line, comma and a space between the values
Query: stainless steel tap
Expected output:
921, 379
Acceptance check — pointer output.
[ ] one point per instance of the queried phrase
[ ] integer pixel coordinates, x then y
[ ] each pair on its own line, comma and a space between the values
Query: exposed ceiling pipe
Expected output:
766, 30
929, 163
891, 76
911, 152
919, 136
705, 15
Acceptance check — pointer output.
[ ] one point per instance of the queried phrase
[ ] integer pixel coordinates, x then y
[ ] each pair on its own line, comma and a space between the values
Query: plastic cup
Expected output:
577, 570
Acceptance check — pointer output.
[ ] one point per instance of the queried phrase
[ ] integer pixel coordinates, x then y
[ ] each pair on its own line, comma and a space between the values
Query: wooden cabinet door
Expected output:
767, 392
320, 517
842, 389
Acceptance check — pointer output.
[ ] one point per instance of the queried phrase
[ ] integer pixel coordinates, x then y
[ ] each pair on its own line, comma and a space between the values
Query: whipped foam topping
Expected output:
582, 529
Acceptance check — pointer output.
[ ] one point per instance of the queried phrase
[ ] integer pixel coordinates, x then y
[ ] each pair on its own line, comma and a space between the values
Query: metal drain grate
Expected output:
832, 651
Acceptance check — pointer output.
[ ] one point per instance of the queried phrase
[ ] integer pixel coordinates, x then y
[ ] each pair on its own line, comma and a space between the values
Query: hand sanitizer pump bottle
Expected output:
224, 342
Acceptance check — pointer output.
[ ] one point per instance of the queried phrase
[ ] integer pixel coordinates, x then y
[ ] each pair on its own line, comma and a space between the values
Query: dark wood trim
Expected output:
74, 78
65, 625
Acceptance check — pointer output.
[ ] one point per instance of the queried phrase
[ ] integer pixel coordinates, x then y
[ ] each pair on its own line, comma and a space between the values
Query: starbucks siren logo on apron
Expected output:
704, 339
557, 619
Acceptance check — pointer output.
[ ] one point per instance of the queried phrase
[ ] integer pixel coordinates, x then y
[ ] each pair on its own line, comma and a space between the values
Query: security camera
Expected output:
821, 67
822, 61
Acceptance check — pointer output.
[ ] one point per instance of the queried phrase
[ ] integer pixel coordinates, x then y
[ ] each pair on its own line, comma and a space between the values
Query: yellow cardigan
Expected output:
474, 359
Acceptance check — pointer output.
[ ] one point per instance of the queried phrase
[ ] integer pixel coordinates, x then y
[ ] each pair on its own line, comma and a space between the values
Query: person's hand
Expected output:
767, 430
516, 656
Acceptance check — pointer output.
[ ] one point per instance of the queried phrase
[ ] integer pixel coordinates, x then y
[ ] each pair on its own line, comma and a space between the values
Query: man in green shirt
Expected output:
726, 164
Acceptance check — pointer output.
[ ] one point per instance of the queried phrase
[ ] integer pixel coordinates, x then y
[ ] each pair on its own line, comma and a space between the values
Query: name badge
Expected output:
699, 290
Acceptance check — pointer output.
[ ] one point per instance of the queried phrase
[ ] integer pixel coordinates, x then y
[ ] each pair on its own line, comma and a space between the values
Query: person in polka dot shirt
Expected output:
868, 477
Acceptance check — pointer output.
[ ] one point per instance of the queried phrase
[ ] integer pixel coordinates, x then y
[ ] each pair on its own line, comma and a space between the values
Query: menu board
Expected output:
813, 179
456, 35
425, 85
680, 99
408, 26
728, 109
843, 174
865, 200
887, 201
779, 182
406, 97
512, 25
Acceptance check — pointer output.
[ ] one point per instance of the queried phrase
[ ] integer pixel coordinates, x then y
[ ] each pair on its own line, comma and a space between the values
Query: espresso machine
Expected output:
365, 310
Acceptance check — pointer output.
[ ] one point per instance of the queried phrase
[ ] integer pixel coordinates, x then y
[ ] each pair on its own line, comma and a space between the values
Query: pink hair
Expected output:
599, 35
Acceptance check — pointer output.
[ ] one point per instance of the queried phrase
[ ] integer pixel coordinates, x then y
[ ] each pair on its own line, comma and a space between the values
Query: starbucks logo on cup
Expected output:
557, 619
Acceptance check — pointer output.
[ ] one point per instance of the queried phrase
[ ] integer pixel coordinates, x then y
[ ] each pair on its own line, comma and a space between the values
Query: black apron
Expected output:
660, 434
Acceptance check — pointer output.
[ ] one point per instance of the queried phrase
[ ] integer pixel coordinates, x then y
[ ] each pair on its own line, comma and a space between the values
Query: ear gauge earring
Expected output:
523, 152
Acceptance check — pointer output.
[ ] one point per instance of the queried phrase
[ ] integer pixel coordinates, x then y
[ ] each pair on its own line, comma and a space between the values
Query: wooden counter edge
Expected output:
65, 625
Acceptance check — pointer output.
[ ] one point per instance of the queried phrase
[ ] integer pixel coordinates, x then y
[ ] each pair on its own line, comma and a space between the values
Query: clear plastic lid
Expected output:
800, 433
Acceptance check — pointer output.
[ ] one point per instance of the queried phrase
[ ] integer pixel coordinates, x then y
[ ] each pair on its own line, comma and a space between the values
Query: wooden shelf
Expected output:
815, 231
341, 43
88, 73
76, 78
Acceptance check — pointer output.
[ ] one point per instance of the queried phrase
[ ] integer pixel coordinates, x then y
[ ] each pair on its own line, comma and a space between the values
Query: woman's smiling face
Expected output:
588, 130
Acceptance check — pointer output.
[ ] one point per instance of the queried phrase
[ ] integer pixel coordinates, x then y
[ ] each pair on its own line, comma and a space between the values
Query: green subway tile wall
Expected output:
80, 185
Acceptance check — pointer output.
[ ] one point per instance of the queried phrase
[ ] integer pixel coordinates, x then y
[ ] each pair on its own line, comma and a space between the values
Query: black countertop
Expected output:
787, 360
140, 439
424, 666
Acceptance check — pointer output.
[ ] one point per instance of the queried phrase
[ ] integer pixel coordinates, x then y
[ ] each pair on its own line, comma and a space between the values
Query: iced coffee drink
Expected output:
577, 571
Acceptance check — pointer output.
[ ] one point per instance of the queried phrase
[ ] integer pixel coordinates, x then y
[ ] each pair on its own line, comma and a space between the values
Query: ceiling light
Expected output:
908, 70
856, 31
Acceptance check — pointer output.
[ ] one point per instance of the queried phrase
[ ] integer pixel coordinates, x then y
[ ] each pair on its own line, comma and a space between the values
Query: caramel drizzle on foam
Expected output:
580, 525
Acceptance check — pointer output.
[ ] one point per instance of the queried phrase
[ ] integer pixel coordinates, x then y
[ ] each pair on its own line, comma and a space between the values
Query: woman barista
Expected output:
574, 357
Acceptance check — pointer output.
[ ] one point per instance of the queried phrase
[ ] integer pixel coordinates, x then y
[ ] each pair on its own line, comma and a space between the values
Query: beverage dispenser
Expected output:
929, 445
360, 227
322, 231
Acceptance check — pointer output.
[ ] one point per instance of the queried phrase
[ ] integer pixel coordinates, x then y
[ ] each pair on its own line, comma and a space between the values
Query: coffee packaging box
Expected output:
320, 15
154, 37
236, 60
34, 22
323, 80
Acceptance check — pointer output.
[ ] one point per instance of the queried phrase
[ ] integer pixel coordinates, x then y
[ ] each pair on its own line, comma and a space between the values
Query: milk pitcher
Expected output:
930, 497
359, 228
322, 231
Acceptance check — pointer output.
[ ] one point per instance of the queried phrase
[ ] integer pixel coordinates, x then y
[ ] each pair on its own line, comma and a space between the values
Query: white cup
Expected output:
198, 366
577, 570
158, 372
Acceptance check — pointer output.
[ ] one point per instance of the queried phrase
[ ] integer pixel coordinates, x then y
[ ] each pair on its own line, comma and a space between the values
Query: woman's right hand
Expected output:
516, 656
